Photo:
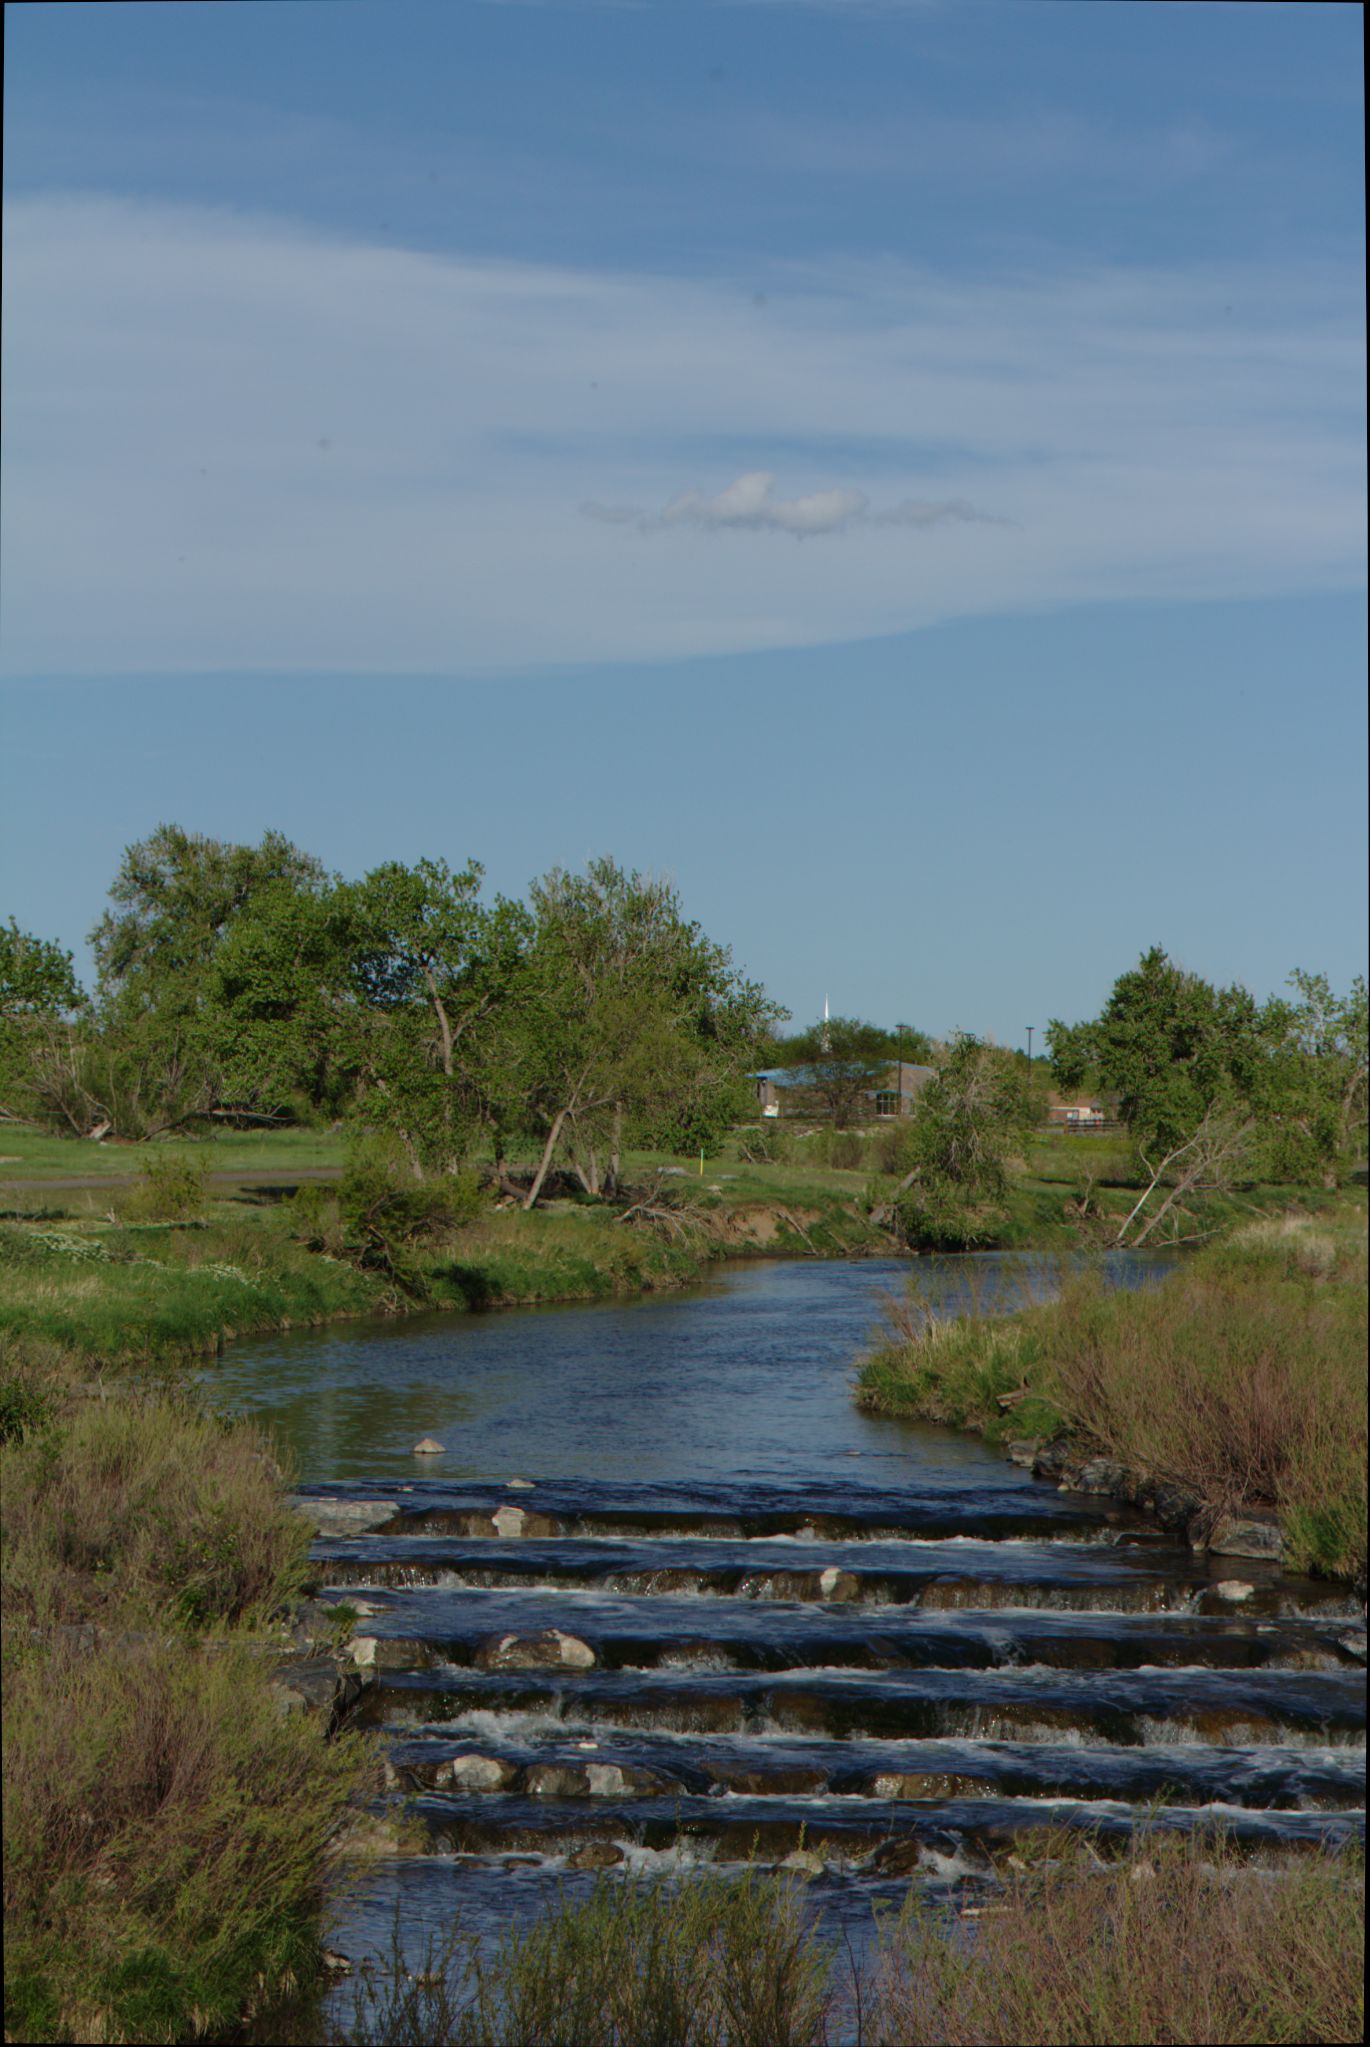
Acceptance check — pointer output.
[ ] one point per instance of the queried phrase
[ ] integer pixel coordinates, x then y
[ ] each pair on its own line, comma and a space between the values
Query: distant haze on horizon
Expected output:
898, 470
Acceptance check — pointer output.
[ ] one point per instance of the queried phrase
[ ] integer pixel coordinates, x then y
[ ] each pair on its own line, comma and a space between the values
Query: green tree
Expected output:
39, 994
430, 973
1319, 1081
1169, 1046
1212, 1084
837, 1063
154, 1057
278, 1006
638, 1030
966, 1125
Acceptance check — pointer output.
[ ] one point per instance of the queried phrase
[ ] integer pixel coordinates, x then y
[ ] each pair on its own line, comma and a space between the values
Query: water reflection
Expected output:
748, 1376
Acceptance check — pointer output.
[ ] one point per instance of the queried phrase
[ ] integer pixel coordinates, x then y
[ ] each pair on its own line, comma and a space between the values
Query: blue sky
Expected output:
898, 469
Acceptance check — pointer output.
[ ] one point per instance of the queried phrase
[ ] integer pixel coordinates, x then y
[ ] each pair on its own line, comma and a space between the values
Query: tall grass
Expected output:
164, 1834
132, 1296
164, 1826
1176, 1940
146, 1511
706, 1962
1242, 1377
1172, 1943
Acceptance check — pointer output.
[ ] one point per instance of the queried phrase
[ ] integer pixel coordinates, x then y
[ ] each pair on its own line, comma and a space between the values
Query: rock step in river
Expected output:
588, 1672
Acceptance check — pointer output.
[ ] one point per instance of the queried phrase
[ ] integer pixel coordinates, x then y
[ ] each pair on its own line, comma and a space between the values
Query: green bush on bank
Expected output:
164, 1827
146, 1511
165, 1832
1242, 1377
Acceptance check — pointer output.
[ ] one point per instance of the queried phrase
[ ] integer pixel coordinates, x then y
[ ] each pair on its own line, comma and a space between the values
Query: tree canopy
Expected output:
841, 1060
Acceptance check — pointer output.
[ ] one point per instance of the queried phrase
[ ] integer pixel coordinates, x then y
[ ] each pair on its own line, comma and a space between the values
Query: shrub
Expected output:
771, 1143
168, 1190
1171, 1942
146, 1509
938, 1218
316, 1220
164, 1833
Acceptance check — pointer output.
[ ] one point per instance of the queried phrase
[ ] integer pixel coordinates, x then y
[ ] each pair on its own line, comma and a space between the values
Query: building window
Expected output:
887, 1103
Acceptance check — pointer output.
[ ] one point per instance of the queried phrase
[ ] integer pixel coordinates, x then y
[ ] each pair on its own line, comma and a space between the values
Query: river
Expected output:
791, 1626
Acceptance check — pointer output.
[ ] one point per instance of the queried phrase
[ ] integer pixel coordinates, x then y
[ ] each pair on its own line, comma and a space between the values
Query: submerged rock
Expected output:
934, 1784
429, 1446
476, 1773
1235, 1589
515, 1521
595, 1855
549, 1649
803, 1862
1023, 1450
595, 1780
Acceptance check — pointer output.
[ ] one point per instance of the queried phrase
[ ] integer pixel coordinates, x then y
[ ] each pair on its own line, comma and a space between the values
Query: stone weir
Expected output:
838, 1680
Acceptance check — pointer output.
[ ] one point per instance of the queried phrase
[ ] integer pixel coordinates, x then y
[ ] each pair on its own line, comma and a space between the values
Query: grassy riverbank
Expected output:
166, 1830
165, 1827
1174, 1940
1241, 1379
88, 1272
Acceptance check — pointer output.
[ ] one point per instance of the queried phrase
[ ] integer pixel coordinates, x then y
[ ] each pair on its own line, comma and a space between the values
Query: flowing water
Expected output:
668, 1598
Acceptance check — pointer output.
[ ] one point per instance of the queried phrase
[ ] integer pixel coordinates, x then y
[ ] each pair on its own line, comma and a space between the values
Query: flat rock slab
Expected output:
334, 1519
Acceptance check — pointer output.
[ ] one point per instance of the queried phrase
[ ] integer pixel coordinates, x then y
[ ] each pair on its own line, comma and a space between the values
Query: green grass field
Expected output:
29, 1154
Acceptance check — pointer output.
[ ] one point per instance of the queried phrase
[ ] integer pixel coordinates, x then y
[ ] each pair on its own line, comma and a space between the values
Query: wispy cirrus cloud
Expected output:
749, 505
233, 442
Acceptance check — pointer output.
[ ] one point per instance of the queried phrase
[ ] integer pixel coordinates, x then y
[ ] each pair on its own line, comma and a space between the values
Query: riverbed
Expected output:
797, 1628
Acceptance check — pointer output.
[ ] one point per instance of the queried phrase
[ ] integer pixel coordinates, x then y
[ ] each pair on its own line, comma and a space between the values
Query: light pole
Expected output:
1030, 1029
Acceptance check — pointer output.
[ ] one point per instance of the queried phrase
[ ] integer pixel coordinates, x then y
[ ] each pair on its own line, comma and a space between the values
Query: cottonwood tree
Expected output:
638, 1028
954, 1153
1212, 1084
279, 1006
1320, 1082
430, 974
150, 1059
39, 997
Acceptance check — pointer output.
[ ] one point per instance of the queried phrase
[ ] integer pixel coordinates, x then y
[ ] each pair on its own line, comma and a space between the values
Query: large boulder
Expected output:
595, 1855
1175, 1505
337, 1519
1096, 1475
1246, 1535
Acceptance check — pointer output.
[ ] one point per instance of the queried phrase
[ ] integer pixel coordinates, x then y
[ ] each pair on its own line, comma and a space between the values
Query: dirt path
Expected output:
272, 1176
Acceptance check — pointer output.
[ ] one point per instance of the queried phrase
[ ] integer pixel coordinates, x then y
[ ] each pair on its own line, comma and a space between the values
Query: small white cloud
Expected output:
749, 504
